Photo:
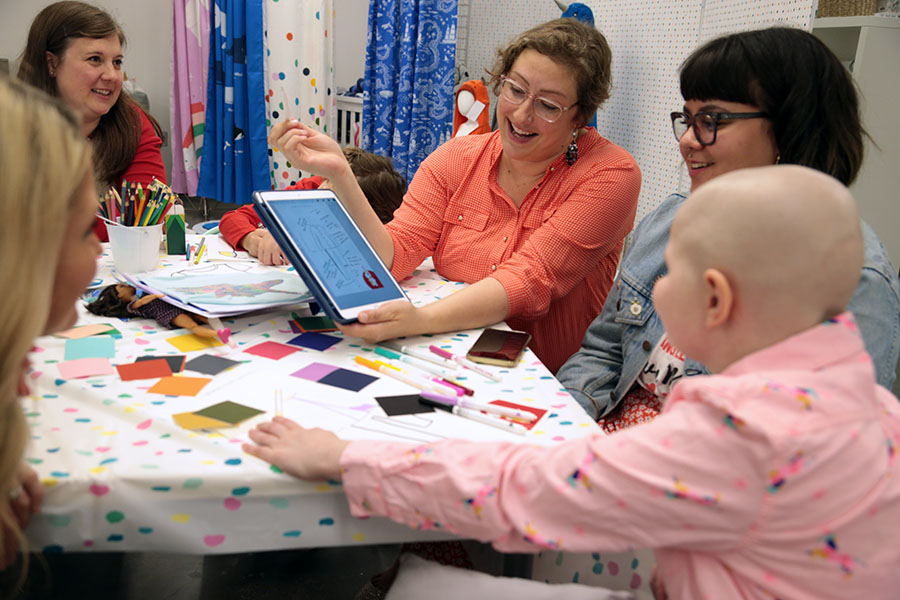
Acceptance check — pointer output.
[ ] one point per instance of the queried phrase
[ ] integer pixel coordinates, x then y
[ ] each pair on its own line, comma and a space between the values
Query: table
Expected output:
120, 475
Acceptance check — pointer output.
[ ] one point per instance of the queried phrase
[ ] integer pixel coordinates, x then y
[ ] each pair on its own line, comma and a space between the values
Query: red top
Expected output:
146, 166
235, 224
555, 255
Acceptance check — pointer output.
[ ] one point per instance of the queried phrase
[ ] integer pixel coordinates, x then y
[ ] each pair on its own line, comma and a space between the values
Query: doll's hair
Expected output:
382, 185
108, 304
116, 137
44, 159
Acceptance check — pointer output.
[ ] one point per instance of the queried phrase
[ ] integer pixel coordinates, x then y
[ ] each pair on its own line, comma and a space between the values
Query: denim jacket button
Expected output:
646, 345
635, 308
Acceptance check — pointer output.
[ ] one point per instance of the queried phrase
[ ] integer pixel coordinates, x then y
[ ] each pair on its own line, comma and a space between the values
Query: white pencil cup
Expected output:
135, 249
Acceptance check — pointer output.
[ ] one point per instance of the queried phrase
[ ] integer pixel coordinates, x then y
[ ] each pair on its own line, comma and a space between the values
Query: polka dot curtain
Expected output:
299, 73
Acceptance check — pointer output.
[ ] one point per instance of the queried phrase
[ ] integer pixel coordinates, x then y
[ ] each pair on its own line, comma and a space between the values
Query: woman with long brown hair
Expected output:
74, 52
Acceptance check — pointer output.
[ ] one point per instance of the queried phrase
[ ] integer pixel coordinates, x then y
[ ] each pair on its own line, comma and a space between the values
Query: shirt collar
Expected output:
833, 341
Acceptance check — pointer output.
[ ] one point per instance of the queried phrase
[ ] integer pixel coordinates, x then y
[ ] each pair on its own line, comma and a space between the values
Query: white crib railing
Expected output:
349, 120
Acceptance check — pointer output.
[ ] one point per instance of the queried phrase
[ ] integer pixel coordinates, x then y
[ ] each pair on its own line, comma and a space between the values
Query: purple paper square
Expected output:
315, 371
314, 341
348, 380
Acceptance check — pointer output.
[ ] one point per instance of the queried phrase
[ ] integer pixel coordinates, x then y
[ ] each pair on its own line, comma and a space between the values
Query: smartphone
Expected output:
499, 347
330, 253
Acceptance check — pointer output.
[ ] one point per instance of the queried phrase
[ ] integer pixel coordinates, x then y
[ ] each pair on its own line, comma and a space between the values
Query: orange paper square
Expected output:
179, 386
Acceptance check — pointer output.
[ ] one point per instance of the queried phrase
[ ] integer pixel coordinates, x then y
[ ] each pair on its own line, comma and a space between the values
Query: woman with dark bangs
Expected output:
755, 98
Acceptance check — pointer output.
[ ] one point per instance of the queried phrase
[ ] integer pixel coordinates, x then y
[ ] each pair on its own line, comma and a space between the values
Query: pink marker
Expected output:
466, 364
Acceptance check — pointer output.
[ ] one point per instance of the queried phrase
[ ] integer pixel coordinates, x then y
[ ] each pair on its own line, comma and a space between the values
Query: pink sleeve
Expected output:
659, 484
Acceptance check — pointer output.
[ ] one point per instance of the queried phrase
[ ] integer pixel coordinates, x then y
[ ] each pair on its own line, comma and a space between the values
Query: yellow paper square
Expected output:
189, 420
179, 386
190, 342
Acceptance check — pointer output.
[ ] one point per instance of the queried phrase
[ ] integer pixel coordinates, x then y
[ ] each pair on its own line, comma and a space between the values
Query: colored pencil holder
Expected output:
135, 249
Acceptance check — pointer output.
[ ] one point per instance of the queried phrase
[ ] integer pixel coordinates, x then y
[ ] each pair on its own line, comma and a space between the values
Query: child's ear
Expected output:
719, 298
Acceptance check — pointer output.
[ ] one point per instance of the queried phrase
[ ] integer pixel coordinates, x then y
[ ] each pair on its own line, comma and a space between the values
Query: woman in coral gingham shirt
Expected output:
532, 215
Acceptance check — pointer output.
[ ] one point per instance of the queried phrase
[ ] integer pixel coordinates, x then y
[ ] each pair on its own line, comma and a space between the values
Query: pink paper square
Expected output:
315, 371
85, 367
272, 350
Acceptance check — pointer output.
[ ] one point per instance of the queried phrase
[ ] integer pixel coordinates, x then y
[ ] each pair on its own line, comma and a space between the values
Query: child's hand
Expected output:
24, 502
312, 454
263, 246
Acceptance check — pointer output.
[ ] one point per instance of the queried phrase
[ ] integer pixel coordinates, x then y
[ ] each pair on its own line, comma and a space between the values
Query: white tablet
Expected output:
331, 254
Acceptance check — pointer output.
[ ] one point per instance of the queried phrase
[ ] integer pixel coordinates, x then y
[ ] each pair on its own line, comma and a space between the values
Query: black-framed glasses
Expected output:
706, 124
545, 108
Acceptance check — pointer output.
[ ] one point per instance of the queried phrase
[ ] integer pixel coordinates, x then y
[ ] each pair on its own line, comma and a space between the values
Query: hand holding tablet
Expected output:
330, 253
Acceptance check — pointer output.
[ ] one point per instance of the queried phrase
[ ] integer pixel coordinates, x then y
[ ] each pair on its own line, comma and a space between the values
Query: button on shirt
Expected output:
555, 255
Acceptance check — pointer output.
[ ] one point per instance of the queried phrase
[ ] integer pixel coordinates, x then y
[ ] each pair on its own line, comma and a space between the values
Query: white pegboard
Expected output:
741, 15
649, 40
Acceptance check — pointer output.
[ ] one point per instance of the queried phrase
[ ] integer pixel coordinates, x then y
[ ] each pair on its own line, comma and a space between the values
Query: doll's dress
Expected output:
162, 312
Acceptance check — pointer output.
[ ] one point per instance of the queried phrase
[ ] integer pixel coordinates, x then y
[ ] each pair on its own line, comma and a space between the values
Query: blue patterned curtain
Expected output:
410, 60
235, 157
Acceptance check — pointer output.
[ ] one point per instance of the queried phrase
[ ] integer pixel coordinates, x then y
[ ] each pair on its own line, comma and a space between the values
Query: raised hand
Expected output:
309, 149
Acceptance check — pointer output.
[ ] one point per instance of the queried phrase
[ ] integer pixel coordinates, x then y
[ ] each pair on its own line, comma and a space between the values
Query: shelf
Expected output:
847, 22
869, 46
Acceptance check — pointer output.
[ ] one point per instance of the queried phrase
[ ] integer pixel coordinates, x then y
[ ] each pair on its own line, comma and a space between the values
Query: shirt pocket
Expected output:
633, 307
466, 217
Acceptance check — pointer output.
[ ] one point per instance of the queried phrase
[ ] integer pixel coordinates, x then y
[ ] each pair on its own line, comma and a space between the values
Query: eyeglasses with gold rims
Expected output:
544, 108
706, 124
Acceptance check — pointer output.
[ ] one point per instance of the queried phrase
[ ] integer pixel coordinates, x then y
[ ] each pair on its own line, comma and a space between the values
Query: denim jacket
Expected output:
617, 344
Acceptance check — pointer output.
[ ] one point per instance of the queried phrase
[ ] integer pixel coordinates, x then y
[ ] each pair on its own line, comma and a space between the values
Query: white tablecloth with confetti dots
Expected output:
120, 475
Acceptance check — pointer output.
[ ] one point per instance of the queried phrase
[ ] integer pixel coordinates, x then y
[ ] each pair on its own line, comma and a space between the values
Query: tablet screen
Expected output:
335, 250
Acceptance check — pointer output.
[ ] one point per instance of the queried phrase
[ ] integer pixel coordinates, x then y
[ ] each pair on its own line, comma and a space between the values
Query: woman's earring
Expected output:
778, 159
572, 150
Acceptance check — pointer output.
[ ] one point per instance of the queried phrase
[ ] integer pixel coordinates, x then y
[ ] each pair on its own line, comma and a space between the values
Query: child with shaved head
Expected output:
776, 477
755, 258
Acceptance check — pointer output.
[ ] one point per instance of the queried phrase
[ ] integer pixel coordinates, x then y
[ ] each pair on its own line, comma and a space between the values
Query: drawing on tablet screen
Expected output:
330, 249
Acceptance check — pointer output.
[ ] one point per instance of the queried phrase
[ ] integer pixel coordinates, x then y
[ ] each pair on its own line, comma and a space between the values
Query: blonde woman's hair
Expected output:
43, 161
